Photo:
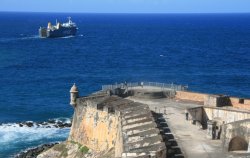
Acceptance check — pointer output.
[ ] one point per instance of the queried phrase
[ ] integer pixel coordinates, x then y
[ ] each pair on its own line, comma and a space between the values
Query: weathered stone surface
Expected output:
34, 152
236, 135
110, 122
95, 128
138, 117
144, 142
154, 147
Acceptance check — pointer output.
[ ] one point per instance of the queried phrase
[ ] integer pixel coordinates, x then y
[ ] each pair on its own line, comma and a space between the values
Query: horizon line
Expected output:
60, 12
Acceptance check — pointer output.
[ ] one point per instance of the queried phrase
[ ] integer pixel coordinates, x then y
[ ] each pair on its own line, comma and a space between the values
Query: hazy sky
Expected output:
127, 6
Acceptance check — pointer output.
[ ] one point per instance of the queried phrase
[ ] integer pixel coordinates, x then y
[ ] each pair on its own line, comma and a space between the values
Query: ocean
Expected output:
208, 52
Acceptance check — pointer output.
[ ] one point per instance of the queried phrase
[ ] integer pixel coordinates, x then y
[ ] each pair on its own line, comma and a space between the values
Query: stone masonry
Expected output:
102, 122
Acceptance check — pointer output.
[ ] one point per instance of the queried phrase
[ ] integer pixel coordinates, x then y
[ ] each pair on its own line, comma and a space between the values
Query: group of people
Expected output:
125, 84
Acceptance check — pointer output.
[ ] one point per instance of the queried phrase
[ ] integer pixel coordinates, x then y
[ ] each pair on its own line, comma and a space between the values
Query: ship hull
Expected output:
62, 32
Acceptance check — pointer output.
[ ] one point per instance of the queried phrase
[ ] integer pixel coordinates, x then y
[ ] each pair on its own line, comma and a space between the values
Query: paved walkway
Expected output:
191, 139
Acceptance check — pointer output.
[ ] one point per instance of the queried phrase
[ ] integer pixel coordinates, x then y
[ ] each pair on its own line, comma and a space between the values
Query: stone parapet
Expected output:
191, 96
216, 100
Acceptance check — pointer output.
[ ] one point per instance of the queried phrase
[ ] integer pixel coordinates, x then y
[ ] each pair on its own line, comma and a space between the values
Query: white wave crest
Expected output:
12, 133
63, 119
15, 133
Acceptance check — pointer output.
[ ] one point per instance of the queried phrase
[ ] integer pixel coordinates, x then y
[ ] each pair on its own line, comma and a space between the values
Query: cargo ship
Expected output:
58, 30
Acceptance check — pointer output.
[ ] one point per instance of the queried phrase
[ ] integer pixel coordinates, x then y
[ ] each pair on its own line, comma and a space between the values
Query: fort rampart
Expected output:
105, 121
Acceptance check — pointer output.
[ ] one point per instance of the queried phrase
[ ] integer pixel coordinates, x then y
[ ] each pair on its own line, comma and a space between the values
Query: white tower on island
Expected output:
73, 95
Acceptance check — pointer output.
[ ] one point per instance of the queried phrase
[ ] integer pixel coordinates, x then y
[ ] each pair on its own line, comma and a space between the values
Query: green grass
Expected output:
84, 149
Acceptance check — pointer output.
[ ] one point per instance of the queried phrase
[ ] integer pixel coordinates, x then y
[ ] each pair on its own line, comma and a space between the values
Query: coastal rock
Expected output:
51, 123
29, 123
70, 149
34, 152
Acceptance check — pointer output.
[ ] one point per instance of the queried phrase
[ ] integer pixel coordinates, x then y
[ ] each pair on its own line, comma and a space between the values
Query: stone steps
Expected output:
127, 127
139, 138
133, 113
145, 156
150, 148
145, 142
137, 122
136, 118
134, 155
141, 128
173, 150
145, 132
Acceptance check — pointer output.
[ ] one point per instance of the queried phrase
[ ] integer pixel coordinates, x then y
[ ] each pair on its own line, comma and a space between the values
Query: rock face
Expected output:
70, 149
60, 150
34, 152
49, 124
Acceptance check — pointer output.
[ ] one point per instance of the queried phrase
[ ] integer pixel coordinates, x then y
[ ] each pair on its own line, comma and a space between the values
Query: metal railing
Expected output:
131, 85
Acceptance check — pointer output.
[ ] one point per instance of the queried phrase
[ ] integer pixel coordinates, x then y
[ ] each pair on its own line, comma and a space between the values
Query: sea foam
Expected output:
12, 134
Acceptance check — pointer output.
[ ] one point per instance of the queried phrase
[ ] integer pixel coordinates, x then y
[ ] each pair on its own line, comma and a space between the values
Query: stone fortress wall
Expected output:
236, 135
102, 121
93, 127
228, 116
203, 98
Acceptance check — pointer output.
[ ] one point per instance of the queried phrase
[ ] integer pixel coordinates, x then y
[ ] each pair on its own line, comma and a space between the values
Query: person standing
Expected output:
186, 113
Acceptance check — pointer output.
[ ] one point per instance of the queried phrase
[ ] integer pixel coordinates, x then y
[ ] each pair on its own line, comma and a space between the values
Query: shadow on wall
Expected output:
142, 93
238, 143
198, 116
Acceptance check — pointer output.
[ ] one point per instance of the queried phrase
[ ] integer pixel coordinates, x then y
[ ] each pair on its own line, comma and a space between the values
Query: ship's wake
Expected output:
81, 35
68, 37
29, 37
19, 38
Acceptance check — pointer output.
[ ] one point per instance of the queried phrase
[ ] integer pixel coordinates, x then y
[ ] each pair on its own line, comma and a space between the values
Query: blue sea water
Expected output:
208, 52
